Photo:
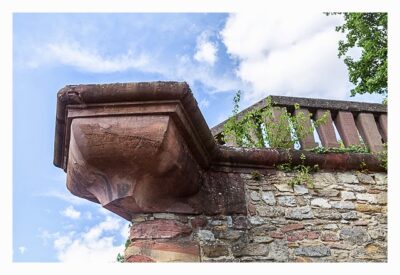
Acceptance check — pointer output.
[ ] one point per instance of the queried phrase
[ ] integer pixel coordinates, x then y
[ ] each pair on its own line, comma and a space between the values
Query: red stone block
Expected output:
369, 131
308, 141
139, 259
297, 236
198, 222
347, 129
312, 235
383, 126
329, 237
159, 229
292, 227
326, 131
276, 235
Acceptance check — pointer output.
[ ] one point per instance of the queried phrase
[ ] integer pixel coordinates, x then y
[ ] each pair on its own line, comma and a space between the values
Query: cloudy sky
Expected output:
217, 54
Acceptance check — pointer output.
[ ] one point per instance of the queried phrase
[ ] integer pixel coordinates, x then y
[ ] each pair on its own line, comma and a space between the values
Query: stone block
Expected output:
313, 251
299, 213
367, 197
215, 250
347, 196
159, 229
367, 208
342, 205
292, 227
319, 202
269, 198
287, 201
163, 251
354, 235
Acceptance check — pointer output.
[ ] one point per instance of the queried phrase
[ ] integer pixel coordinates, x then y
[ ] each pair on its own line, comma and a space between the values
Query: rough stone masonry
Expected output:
144, 151
342, 219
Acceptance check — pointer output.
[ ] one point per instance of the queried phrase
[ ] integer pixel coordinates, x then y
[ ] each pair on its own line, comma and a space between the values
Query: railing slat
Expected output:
383, 126
326, 131
308, 141
347, 128
369, 131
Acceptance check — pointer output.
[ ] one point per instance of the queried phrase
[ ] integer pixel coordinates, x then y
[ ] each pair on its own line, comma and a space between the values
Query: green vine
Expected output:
260, 127
383, 157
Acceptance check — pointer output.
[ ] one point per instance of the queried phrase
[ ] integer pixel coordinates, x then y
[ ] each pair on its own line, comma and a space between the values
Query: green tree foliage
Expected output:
367, 31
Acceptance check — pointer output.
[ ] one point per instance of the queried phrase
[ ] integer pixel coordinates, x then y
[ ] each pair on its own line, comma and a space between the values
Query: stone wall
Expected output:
343, 218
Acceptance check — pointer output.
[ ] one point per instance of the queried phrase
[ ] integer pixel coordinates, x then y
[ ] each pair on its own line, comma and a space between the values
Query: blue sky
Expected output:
217, 54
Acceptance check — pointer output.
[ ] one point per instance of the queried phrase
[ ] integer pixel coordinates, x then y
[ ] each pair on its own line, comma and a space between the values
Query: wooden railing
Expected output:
351, 119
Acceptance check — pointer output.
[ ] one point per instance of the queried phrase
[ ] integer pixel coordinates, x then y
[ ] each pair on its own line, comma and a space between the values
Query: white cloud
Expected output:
88, 60
294, 54
22, 249
66, 196
71, 212
174, 67
206, 51
204, 103
94, 245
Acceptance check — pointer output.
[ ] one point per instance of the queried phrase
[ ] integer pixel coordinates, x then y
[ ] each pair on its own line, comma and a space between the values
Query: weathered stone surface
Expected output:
159, 229
300, 189
270, 211
352, 215
373, 251
292, 227
163, 251
364, 178
347, 196
205, 235
313, 251
327, 214
327, 192
360, 223
250, 249
139, 259
254, 195
240, 222
355, 188
343, 205
287, 201
322, 180
166, 216
299, 213
229, 234
381, 198
367, 197
330, 226
329, 237
278, 250
355, 235
283, 187
277, 235
198, 222
256, 220
367, 208
319, 202
262, 239
347, 178
215, 250
378, 234
269, 198
380, 178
